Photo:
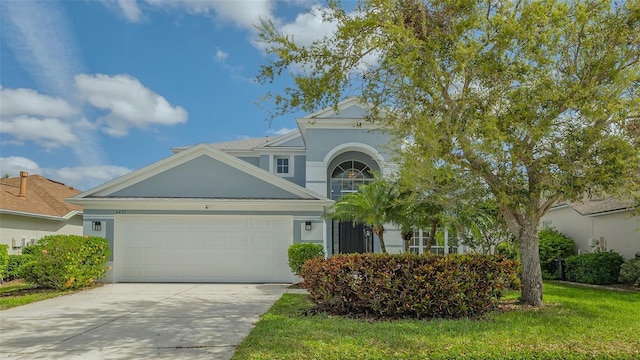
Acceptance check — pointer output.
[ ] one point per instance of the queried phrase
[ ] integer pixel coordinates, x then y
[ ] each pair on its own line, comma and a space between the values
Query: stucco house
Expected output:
606, 223
32, 206
227, 212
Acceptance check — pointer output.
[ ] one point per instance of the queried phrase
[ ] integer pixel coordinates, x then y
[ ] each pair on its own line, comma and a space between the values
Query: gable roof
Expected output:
244, 144
118, 187
44, 198
598, 206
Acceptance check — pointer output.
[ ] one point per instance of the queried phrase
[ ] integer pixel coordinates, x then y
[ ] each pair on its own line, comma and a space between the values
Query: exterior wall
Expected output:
19, 227
619, 230
264, 163
253, 160
321, 141
204, 177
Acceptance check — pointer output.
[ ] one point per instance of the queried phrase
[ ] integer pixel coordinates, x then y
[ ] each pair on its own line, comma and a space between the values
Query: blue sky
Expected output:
91, 90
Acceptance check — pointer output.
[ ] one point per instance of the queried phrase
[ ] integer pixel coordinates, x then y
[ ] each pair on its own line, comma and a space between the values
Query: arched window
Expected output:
347, 176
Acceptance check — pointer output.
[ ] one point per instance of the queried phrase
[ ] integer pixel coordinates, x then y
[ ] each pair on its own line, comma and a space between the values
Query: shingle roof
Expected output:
246, 144
600, 205
43, 196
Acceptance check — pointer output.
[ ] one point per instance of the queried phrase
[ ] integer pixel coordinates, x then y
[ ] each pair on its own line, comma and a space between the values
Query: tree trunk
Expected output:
380, 233
432, 235
530, 258
525, 229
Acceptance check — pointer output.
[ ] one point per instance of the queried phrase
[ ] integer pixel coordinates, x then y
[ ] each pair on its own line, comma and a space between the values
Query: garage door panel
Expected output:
202, 248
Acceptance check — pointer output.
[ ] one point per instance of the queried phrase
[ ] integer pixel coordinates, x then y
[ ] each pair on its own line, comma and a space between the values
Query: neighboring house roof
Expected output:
597, 206
43, 198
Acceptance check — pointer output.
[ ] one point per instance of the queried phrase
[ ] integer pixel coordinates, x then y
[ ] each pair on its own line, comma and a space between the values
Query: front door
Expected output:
352, 238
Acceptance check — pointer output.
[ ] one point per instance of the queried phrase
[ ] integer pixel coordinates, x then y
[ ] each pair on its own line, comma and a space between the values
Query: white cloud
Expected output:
12, 165
49, 132
221, 56
130, 10
308, 27
38, 34
280, 131
129, 102
29, 102
243, 13
84, 177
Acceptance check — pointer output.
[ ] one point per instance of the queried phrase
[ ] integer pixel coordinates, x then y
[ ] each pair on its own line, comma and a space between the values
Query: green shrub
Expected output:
600, 268
630, 272
508, 249
409, 285
15, 261
31, 249
553, 245
66, 261
4, 260
300, 253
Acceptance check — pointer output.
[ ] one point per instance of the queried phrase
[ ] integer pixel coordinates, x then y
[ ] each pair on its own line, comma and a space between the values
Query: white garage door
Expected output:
207, 248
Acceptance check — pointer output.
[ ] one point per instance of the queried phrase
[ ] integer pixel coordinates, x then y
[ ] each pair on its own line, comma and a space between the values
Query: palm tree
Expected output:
371, 204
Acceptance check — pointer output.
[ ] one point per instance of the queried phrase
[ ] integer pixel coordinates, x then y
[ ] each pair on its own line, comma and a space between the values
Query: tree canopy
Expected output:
540, 100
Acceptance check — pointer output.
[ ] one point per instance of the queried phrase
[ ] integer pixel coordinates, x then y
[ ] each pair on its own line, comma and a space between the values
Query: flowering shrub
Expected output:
409, 285
66, 261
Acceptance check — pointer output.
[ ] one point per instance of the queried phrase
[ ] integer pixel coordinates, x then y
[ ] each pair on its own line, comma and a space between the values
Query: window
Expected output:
547, 224
347, 176
282, 165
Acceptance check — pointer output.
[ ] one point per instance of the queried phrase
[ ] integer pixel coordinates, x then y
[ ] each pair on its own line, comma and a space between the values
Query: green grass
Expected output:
575, 323
16, 295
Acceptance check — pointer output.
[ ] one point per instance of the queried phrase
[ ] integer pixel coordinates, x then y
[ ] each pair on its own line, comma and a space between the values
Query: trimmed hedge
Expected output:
66, 261
409, 285
553, 244
630, 273
4, 260
13, 268
300, 253
600, 268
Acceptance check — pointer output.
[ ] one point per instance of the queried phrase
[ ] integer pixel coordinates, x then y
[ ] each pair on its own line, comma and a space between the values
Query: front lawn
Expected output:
575, 323
22, 294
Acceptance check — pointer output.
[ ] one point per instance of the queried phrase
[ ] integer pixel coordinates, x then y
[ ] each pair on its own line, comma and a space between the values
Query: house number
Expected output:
121, 211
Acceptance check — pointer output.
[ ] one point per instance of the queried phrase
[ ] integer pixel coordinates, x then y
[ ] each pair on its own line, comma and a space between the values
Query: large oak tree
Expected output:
539, 99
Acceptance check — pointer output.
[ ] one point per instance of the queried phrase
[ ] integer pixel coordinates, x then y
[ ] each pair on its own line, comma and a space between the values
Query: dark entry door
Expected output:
352, 238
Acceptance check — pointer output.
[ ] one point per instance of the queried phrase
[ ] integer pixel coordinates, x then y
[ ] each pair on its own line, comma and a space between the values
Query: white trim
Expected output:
354, 146
276, 142
42, 216
205, 204
273, 159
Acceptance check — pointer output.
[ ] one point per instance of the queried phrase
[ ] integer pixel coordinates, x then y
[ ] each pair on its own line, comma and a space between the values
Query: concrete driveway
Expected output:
137, 321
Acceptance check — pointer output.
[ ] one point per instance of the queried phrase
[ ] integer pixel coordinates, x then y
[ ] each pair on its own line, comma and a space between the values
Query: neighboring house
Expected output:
597, 224
32, 206
228, 212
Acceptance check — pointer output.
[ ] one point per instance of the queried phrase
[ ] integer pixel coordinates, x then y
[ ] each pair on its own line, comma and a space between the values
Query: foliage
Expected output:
4, 260
553, 245
630, 272
31, 249
537, 99
552, 332
301, 252
594, 268
67, 261
508, 249
482, 228
13, 267
408, 285
371, 204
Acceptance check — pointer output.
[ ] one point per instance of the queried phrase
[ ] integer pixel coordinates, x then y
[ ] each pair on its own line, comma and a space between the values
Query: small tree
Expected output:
371, 204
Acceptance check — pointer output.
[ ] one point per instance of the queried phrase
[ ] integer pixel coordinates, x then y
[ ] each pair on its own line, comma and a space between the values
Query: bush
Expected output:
599, 268
409, 285
66, 261
15, 261
31, 249
4, 260
508, 249
300, 253
630, 272
553, 245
